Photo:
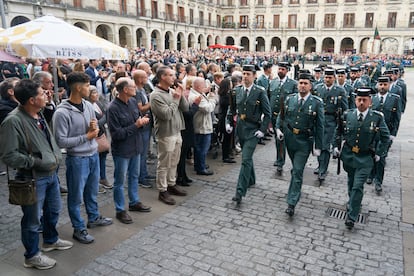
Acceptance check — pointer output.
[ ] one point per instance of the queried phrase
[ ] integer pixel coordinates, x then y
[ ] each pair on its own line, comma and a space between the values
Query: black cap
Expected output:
306, 76
341, 71
388, 72
301, 71
284, 64
317, 69
329, 72
267, 65
384, 79
355, 69
249, 67
365, 91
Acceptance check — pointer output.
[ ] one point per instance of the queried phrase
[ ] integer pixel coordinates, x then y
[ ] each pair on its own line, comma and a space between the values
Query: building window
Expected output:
369, 20
277, 2
209, 19
77, 3
229, 2
244, 21
181, 14
201, 18
276, 21
411, 23
260, 21
311, 20
260, 2
294, 2
292, 21
218, 19
349, 20
191, 16
331, 1
243, 2
228, 22
101, 5
154, 9
141, 8
169, 12
312, 1
123, 6
329, 20
392, 19
350, 1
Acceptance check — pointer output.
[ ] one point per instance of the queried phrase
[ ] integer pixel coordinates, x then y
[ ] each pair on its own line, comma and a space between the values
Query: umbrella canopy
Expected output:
50, 37
217, 46
6, 57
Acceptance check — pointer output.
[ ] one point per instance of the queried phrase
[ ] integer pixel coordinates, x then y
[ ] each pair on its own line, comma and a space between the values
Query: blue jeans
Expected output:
201, 146
122, 167
102, 164
82, 178
48, 199
143, 172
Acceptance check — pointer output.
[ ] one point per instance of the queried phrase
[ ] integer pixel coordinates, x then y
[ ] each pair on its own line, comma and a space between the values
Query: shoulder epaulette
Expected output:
260, 88
378, 113
318, 98
395, 95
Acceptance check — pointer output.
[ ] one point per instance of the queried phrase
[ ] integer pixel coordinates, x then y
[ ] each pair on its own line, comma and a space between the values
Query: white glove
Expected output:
279, 135
316, 152
392, 137
377, 158
336, 152
229, 128
259, 134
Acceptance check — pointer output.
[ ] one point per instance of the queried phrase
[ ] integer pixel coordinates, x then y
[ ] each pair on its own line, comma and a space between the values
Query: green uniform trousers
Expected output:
356, 180
247, 176
299, 158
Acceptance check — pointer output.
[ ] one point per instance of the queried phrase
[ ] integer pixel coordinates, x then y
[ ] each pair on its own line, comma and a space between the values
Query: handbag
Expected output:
22, 191
103, 143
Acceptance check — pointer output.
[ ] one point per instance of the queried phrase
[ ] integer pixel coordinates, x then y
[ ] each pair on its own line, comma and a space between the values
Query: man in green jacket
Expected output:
27, 144
358, 133
252, 102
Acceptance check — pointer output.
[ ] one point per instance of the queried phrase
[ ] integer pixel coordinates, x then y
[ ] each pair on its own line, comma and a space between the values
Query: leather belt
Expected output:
298, 131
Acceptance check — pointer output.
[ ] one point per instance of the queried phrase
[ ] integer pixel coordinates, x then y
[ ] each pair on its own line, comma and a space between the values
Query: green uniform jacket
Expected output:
391, 108
14, 152
279, 92
360, 138
350, 94
401, 83
250, 109
303, 123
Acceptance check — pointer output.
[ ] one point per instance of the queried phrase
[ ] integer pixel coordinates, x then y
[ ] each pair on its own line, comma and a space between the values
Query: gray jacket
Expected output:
70, 128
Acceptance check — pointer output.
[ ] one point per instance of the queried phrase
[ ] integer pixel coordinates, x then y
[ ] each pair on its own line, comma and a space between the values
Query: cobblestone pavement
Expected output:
208, 235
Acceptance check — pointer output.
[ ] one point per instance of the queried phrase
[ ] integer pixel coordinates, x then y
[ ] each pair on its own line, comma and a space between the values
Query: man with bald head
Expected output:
140, 78
202, 122
126, 124
149, 87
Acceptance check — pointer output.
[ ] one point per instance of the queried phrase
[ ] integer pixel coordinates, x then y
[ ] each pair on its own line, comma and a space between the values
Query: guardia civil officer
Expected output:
251, 101
360, 129
280, 88
335, 103
302, 129
341, 82
390, 105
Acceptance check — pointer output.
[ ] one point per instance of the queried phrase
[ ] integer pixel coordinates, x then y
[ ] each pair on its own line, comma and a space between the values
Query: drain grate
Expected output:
341, 214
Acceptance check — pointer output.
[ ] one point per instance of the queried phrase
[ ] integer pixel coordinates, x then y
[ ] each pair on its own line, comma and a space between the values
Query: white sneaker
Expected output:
40, 261
58, 245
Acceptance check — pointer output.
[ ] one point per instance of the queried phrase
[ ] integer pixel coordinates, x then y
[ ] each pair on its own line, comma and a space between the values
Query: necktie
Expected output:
361, 117
382, 100
247, 92
301, 101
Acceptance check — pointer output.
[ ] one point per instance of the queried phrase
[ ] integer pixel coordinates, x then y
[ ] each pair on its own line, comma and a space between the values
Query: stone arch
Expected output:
141, 38
191, 41
180, 41
125, 38
328, 45
229, 40
201, 42
310, 45
105, 32
260, 44
19, 20
217, 40
275, 44
81, 25
347, 45
293, 44
363, 46
245, 43
169, 40
156, 40
209, 40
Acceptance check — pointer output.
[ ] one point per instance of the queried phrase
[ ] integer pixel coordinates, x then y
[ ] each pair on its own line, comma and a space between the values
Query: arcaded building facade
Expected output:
303, 26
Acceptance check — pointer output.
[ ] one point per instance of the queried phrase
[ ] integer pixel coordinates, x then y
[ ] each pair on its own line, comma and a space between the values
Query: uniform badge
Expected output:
355, 149
243, 117
295, 131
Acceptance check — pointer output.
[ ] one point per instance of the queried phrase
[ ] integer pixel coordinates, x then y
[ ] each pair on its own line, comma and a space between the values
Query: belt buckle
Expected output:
295, 131
243, 117
355, 149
